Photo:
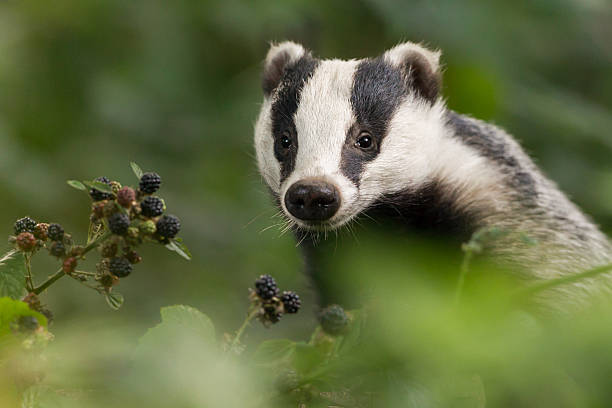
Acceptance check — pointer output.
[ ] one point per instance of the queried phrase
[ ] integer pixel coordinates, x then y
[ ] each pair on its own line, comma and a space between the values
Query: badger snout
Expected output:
312, 200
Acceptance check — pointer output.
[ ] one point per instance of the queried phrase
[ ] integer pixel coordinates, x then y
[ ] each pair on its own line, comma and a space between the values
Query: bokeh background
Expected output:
86, 86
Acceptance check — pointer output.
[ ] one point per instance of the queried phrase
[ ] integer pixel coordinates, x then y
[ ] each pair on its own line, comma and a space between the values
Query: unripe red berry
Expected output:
69, 264
126, 196
26, 241
40, 231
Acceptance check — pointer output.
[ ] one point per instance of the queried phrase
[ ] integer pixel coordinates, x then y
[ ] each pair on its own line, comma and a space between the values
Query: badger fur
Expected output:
337, 139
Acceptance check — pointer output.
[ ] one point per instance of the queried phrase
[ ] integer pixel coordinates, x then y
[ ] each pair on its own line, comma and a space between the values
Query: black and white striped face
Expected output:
334, 136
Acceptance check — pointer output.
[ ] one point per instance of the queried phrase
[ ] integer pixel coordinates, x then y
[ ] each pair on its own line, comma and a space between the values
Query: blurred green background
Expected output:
86, 86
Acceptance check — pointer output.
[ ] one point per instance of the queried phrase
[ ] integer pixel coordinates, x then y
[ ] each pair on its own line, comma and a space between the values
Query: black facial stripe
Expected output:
486, 139
284, 107
378, 89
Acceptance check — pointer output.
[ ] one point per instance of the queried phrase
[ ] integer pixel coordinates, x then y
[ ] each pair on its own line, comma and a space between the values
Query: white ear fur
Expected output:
421, 66
278, 58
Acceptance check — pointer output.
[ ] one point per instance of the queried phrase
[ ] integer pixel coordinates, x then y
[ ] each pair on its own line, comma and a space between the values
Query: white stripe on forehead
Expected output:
323, 119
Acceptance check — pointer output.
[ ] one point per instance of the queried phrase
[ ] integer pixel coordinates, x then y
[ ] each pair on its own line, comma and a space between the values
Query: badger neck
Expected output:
481, 178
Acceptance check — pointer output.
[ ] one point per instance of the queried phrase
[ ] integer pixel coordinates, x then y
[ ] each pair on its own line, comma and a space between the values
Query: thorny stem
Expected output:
52, 279
538, 287
242, 328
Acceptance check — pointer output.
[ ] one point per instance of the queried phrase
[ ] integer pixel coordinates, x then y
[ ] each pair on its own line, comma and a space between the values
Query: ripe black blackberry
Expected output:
333, 320
119, 223
149, 183
25, 224
55, 232
98, 195
291, 301
168, 226
120, 267
57, 249
152, 206
266, 287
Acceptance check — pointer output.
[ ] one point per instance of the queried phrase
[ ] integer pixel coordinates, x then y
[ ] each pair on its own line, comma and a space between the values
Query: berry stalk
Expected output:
52, 279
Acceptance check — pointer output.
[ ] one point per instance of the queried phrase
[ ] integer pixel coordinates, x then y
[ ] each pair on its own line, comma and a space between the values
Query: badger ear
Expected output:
420, 66
278, 58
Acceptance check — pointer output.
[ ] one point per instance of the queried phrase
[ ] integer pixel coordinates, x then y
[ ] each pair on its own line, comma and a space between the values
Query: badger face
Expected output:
333, 136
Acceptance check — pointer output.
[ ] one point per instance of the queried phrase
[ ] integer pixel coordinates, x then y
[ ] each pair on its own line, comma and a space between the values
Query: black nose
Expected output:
312, 200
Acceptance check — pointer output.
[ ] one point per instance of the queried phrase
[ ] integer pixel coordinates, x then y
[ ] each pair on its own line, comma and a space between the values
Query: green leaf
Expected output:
273, 352
136, 169
98, 185
114, 300
77, 184
11, 310
307, 358
353, 337
176, 245
12, 275
179, 318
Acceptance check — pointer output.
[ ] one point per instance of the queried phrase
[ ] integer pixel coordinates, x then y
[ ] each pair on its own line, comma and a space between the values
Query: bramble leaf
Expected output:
98, 185
114, 300
12, 275
136, 169
177, 246
11, 310
76, 184
273, 352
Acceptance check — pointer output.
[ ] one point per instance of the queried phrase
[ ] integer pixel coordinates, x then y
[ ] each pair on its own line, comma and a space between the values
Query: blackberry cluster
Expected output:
291, 301
168, 226
271, 306
120, 267
118, 223
333, 320
152, 206
55, 232
266, 287
98, 195
25, 224
150, 183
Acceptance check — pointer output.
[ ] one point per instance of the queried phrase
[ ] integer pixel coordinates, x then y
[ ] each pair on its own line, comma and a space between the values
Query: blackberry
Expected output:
27, 324
120, 267
119, 223
69, 264
98, 195
26, 241
271, 315
149, 183
41, 230
126, 196
168, 226
55, 232
291, 301
57, 249
265, 287
152, 206
25, 224
333, 320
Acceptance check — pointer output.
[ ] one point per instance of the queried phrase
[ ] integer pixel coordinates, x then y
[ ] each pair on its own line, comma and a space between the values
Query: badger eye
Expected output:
285, 141
364, 141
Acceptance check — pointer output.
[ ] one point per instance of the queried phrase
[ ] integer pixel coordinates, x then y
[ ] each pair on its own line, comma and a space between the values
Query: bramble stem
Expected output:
242, 328
465, 266
538, 287
52, 279
28, 265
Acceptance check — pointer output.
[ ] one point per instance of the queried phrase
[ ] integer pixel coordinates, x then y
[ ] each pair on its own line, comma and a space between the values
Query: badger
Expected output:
339, 139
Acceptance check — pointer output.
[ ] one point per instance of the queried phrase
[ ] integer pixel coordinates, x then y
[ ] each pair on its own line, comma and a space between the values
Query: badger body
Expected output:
339, 140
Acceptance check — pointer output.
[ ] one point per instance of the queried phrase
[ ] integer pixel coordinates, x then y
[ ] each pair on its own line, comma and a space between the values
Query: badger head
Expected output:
335, 136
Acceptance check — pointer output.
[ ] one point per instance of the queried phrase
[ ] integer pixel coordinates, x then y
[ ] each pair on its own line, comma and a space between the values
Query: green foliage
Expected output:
11, 310
12, 275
